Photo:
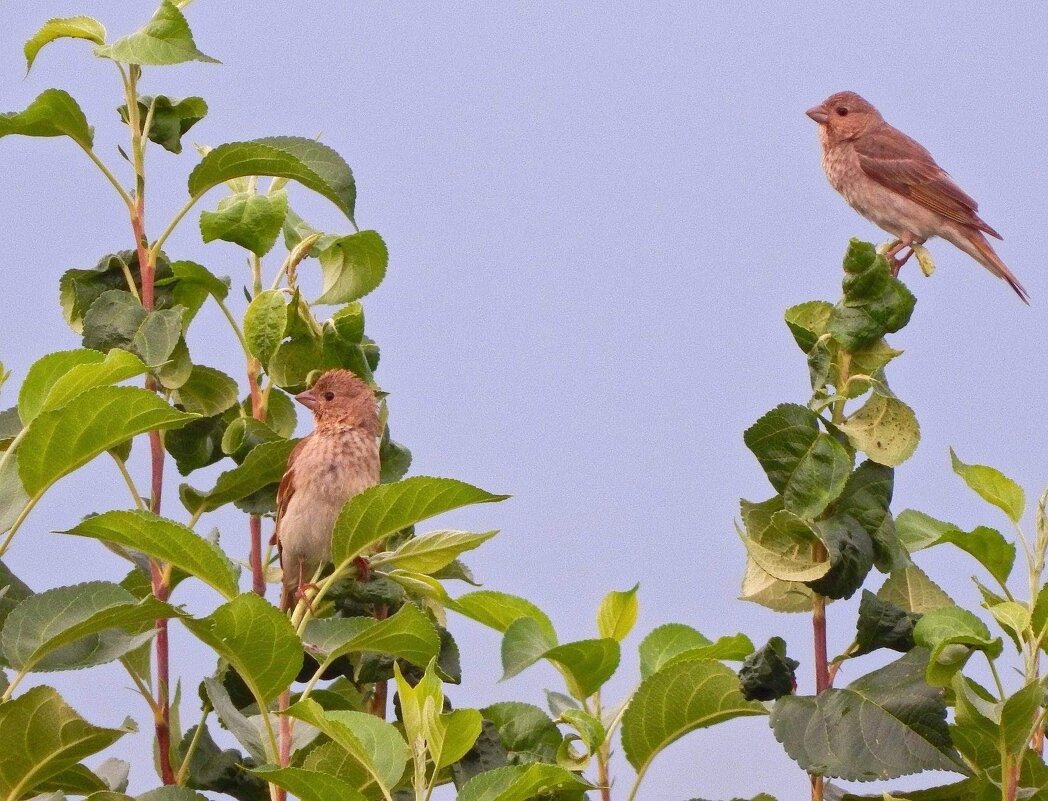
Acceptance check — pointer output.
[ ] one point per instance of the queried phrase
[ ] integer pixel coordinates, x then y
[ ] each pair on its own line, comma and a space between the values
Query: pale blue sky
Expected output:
596, 214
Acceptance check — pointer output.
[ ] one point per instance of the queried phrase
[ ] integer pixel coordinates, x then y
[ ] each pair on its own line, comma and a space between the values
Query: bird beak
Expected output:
307, 399
819, 114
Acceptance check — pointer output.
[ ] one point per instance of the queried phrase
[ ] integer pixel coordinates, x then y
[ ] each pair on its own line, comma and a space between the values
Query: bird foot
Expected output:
300, 595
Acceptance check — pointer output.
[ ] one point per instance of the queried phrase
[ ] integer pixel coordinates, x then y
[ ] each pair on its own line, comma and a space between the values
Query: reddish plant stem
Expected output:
161, 590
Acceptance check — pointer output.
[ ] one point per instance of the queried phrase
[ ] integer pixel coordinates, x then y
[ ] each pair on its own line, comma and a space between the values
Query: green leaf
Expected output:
525, 642
1014, 617
379, 511
216, 769
520, 783
51, 738
867, 497
666, 642
617, 614
886, 724
429, 553
987, 545
63, 28
912, 590
265, 321
44, 373
59, 441
993, 486
309, 785
1018, 715
789, 549
171, 118
307, 161
951, 634
768, 674
525, 731
408, 634
374, 744
53, 113
353, 266
809, 468
499, 610
257, 640
163, 540
69, 628
117, 320
164, 40
874, 304
918, 531
234, 720
207, 392
264, 465
808, 322
191, 285
851, 557
760, 587
884, 428
882, 624
248, 219
677, 700
586, 664
452, 735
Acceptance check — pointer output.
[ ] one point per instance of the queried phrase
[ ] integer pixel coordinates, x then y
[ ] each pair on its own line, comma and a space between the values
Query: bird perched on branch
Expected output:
337, 461
893, 182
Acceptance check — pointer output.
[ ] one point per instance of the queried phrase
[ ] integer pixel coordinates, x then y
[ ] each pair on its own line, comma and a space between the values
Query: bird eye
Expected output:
842, 111
329, 396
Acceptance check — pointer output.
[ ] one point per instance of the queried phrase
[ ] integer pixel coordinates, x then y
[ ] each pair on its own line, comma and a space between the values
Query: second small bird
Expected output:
337, 461
893, 182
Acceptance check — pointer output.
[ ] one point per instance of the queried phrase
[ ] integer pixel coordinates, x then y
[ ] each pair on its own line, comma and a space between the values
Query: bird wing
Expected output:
285, 491
896, 161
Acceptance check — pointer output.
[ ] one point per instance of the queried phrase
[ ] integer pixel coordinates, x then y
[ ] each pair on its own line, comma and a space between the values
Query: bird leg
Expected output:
300, 593
894, 262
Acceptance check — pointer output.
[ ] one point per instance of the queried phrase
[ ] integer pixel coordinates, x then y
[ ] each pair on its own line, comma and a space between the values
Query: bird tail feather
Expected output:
975, 245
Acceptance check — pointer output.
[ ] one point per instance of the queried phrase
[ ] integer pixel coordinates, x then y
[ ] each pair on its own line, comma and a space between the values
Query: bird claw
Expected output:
300, 595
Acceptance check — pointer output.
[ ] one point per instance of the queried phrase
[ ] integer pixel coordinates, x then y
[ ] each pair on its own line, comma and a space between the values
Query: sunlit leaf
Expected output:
165, 39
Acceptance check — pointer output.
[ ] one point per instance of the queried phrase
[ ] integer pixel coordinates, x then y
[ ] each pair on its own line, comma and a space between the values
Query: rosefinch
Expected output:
326, 469
895, 183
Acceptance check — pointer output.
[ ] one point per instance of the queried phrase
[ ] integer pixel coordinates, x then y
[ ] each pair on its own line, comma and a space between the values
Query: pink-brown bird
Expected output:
327, 468
893, 182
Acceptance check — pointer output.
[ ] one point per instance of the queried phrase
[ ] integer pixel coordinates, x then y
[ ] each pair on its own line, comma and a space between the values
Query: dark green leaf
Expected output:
851, 557
768, 674
808, 467
886, 724
874, 302
882, 624
867, 497
525, 732
171, 118
218, 770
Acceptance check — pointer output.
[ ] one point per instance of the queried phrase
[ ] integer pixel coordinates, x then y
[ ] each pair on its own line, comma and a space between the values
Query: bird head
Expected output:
844, 115
339, 396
